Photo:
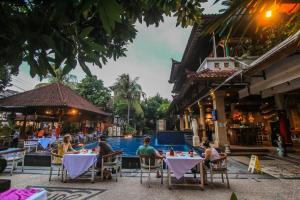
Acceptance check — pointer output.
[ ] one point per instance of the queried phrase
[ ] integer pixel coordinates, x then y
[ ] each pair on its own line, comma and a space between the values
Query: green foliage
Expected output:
94, 90
5, 76
67, 33
155, 108
69, 80
244, 16
131, 130
269, 37
233, 196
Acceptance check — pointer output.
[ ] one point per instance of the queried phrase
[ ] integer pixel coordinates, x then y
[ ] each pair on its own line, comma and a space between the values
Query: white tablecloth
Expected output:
180, 164
77, 164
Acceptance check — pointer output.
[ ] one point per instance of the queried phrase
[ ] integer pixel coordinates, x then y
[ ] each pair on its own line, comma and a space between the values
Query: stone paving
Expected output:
274, 167
130, 188
247, 186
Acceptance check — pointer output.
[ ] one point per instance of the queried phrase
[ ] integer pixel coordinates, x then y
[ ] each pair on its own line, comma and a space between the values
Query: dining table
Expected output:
182, 162
78, 164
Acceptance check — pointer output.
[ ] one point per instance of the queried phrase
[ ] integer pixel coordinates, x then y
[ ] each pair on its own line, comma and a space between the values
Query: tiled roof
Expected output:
208, 74
53, 95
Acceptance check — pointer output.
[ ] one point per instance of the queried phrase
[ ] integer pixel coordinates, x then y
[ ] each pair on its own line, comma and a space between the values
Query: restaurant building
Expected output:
52, 105
243, 101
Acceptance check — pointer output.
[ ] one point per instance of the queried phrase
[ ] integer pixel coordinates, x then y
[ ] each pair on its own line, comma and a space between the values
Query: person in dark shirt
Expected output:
104, 149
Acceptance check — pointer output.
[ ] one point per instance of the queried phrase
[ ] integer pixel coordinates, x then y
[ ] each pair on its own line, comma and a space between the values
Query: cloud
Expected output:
149, 57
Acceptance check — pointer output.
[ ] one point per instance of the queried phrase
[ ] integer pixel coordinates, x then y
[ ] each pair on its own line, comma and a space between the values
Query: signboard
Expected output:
254, 164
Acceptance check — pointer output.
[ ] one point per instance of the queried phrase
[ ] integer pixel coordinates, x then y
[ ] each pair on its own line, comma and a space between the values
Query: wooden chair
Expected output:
112, 161
219, 166
31, 144
56, 163
150, 164
14, 158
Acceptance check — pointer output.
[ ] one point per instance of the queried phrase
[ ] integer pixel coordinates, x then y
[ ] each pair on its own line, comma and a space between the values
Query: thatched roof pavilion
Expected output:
55, 100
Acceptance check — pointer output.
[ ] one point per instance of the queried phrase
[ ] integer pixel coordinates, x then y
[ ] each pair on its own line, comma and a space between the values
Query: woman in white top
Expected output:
210, 154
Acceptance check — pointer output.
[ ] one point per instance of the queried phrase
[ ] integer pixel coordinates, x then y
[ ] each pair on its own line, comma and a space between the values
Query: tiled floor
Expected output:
275, 167
130, 188
244, 184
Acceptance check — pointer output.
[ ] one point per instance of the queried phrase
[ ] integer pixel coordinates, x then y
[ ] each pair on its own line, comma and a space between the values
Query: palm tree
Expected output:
60, 77
126, 89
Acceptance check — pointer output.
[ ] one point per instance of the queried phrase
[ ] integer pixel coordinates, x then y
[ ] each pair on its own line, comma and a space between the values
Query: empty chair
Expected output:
112, 161
14, 158
219, 166
56, 163
151, 164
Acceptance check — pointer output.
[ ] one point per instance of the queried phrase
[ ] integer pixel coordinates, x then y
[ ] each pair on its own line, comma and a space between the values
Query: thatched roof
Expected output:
55, 95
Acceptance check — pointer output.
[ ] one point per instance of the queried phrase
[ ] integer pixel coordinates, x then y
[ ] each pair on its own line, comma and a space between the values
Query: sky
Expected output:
148, 57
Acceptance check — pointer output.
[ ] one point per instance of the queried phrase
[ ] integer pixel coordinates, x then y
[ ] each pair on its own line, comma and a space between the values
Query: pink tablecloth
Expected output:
179, 165
17, 194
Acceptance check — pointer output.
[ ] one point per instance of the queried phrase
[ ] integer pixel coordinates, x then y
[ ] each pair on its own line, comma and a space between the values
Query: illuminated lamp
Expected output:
268, 14
74, 111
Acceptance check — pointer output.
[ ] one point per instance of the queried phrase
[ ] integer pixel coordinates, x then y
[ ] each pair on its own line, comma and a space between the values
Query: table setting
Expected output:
76, 164
179, 163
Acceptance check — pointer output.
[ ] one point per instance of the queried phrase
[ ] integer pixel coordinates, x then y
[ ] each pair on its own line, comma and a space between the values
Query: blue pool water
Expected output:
130, 145
162, 142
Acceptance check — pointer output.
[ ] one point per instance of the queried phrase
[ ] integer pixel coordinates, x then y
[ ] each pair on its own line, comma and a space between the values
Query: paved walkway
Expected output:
247, 186
129, 188
275, 167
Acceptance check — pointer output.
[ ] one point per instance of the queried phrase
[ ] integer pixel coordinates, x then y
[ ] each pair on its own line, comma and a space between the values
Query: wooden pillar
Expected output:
220, 128
201, 121
186, 120
181, 123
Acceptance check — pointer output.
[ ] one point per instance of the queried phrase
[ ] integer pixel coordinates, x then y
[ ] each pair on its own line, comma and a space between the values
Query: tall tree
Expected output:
67, 33
251, 14
59, 77
94, 90
5, 76
129, 91
155, 108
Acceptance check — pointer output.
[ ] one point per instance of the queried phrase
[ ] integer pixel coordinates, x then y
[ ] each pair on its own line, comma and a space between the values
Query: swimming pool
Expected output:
161, 141
130, 145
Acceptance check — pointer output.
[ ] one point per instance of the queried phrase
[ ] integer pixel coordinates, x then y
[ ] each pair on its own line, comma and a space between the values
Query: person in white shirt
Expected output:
210, 154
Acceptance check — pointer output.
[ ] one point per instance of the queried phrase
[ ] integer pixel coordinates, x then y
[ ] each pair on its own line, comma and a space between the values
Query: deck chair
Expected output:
219, 166
151, 164
14, 158
56, 163
112, 161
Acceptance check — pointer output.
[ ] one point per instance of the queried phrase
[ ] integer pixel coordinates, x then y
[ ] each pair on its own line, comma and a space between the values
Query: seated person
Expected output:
41, 133
210, 154
147, 150
66, 146
104, 149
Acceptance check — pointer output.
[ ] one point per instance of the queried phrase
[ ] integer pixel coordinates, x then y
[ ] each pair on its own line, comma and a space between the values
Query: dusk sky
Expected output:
148, 57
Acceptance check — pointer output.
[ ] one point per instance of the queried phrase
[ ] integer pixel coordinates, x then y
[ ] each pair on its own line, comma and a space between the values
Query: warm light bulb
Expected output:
269, 14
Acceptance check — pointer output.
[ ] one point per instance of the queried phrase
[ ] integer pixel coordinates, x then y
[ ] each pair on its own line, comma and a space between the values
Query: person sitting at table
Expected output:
210, 154
41, 133
66, 146
104, 149
147, 150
